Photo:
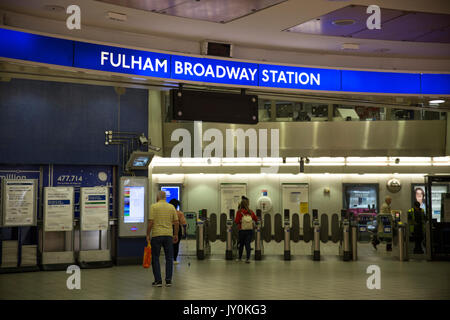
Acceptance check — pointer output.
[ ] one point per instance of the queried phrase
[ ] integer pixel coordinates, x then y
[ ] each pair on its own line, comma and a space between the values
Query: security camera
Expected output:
142, 139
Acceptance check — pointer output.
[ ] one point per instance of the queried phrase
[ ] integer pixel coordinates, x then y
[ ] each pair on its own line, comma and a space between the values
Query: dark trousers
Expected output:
245, 237
418, 238
167, 243
176, 246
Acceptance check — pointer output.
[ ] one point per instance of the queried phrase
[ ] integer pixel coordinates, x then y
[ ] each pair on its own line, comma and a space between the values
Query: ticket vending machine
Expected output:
133, 207
58, 224
94, 225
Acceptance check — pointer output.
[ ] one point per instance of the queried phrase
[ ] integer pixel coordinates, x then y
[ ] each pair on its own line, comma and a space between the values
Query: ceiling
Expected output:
210, 10
258, 24
396, 25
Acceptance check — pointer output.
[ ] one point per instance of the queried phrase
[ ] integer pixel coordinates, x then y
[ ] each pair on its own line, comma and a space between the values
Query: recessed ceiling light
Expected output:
382, 50
54, 8
117, 16
350, 46
436, 101
343, 22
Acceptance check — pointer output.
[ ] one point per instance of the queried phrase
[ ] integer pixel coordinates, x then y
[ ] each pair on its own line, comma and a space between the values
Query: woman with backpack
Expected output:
245, 219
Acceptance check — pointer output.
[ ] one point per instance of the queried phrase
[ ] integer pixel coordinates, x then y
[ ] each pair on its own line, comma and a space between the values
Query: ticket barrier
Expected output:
203, 245
385, 228
259, 246
403, 241
349, 237
315, 245
229, 241
287, 236
365, 221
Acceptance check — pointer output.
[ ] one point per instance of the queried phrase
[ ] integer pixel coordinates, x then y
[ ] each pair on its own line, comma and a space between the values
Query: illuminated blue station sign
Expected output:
43, 49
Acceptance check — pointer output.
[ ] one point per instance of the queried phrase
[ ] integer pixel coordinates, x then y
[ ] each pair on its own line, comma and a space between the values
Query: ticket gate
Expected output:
287, 236
402, 241
364, 220
229, 239
203, 245
315, 245
349, 237
385, 228
259, 246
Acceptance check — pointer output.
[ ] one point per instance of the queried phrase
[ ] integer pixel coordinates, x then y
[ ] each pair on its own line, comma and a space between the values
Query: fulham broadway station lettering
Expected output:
124, 61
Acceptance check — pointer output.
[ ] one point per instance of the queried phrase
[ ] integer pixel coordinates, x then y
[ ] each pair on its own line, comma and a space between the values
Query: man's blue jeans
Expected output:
167, 243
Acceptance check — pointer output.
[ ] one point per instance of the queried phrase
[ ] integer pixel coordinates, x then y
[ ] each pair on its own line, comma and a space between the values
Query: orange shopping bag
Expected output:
147, 256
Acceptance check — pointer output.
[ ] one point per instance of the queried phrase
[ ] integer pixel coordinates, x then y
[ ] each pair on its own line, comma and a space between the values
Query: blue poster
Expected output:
171, 192
80, 176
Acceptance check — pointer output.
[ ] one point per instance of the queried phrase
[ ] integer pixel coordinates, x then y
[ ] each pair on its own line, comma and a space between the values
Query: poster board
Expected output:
437, 190
94, 205
231, 195
19, 202
58, 208
295, 198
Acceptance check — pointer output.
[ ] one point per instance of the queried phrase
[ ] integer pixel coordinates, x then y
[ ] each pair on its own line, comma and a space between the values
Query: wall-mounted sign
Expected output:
94, 208
51, 50
393, 185
58, 208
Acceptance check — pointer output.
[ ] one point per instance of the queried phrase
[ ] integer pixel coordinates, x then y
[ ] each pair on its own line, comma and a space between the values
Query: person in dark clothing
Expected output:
416, 220
245, 219
183, 224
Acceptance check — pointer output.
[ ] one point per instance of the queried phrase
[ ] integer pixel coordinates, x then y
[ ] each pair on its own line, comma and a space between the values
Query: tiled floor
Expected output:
272, 278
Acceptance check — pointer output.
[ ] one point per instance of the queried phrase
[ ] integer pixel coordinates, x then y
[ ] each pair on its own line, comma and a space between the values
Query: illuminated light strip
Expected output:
290, 162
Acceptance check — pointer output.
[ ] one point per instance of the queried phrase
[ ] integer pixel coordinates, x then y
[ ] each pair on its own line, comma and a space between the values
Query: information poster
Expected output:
295, 198
20, 202
231, 196
94, 208
58, 208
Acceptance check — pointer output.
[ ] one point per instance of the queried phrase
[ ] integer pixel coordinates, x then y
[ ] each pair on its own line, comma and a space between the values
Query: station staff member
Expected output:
162, 217
244, 219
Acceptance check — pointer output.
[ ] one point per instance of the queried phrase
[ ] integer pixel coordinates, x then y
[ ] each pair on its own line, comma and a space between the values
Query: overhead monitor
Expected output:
139, 160
133, 206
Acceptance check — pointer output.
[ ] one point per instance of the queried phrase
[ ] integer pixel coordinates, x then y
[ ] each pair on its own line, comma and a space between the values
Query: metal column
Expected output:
229, 243
316, 238
258, 255
287, 236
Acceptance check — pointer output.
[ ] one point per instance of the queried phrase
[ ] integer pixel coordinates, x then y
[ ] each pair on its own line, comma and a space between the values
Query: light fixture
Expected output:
343, 22
350, 46
117, 16
437, 101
